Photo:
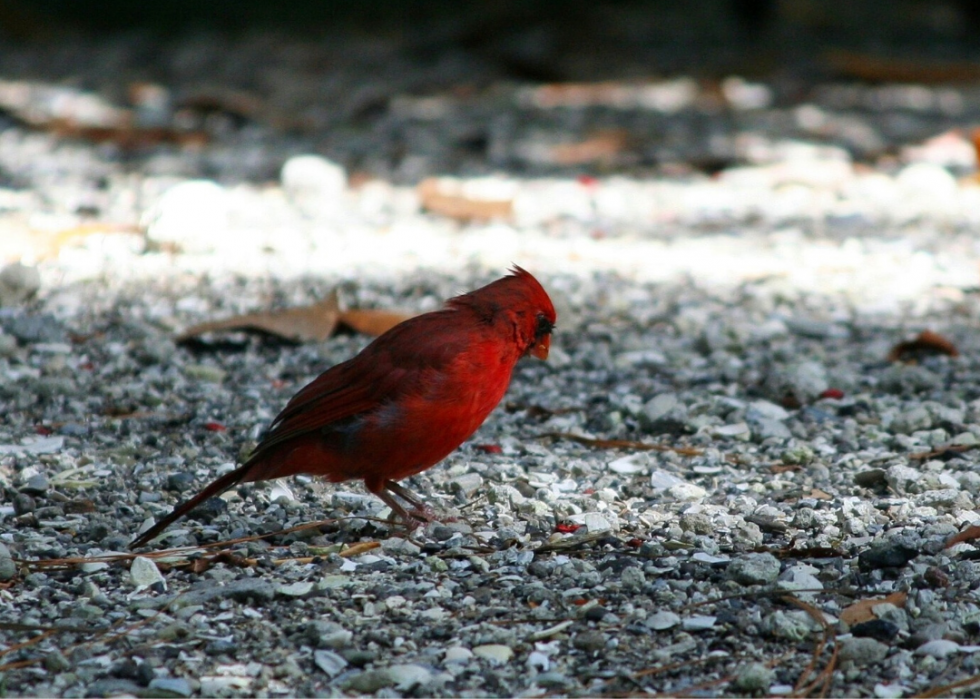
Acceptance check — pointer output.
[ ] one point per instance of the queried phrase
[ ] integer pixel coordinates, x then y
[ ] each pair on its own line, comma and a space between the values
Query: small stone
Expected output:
466, 484
862, 652
144, 573
191, 216
753, 679
754, 569
87, 611
633, 579
8, 569
23, 504
180, 482
329, 662
296, 589
870, 478
369, 681
662, 620
36, 485
409, 675
495, 653
400, 547
551, 680
890, 691
913, 420
113, 687
800, 578
313, 184
630, 465
878, 629
31, 329
664, 414
939, 648
890, 553
800, 454
457, 654
796, 383
793, 625
698, 622
171, 687
590, 641
56, 662
328, 634
18, 282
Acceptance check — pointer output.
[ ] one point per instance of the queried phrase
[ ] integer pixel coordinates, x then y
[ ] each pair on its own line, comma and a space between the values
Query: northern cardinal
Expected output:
405, 402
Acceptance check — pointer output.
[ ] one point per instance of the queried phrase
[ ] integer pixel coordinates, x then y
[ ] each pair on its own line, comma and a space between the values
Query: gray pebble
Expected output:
8, 568
36, 485
753, 679
30, 329
862, 652
171, 687
664, 414
329, 662
754, 569
590, 641
18, 282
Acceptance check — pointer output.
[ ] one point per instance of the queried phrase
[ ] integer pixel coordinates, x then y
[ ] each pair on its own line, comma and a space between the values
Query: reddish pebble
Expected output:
214, 427
42, 430
489, 448
834, 393
567, 528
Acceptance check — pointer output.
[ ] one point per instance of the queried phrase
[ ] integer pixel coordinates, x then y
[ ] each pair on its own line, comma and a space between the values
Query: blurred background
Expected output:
485, 132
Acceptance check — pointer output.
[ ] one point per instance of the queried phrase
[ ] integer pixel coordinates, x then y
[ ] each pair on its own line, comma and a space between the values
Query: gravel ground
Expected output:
730, 281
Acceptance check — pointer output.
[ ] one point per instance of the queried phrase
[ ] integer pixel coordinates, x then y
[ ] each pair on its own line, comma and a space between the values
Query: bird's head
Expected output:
518, 304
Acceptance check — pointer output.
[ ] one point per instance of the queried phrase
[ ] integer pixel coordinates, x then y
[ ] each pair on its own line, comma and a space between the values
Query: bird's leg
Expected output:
410, 522
420, 511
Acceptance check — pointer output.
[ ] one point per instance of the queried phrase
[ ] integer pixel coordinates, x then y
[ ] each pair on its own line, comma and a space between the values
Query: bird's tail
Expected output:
217, 487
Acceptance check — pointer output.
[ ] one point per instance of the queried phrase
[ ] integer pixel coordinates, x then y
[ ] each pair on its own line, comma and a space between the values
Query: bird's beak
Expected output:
540, 350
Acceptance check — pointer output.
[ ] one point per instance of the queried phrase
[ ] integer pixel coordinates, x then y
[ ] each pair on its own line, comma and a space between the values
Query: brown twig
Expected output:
621, 444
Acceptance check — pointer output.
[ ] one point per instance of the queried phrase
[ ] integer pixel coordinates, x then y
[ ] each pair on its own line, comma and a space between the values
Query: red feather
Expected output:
406, 401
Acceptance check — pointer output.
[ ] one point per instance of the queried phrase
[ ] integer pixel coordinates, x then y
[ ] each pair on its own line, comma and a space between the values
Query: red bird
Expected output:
405, 402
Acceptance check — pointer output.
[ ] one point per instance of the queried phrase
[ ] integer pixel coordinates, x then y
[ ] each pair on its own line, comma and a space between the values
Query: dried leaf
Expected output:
369, 321
947, 451
927, 342
784, 468
447, 198
621, 444
313, 323
820, 495
862, 610
968, 534
603, 146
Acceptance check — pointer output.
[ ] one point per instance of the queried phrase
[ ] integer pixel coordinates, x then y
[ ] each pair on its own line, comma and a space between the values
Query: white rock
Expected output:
328, 661
409, 675
144, 573
313, 184
495, 653
296, 589
629, 465
192, 216
938, 648
889, 691
686, 491
457, 654
41, 445
699, 622
662, 620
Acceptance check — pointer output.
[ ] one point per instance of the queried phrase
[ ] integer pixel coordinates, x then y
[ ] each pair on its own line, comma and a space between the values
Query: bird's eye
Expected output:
544, 326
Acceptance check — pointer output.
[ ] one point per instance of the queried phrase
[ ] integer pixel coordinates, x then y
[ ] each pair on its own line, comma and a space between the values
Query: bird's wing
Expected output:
391, 366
